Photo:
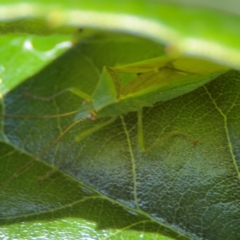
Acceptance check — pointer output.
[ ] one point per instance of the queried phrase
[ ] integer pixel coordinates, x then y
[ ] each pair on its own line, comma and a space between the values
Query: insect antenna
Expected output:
2, 186
38, 116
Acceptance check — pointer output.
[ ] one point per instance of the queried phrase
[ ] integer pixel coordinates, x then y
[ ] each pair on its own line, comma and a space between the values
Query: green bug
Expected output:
128, 88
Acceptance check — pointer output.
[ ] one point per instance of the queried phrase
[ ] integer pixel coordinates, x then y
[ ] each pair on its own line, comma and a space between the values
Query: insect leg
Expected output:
140, 132
163, 140
94, 129
38, 116
73, 90
18, 171
81, 94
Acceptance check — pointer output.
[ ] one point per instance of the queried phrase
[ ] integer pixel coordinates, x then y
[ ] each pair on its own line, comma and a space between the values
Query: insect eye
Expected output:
92, 116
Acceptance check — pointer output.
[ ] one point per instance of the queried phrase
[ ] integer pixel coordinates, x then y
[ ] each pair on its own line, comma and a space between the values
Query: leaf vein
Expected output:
132, 161
226, 130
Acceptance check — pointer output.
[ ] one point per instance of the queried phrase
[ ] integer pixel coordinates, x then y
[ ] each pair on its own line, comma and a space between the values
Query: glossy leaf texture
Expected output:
21, 56
184, 28
87, 57
170, 171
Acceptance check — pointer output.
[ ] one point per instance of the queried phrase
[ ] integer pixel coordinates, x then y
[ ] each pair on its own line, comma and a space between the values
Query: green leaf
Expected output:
46, 83
187, 29
22, 56
168, 172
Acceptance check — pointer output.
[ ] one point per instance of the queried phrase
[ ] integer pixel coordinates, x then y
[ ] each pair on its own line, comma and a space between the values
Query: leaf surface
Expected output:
21, 56
170, 171
185, 29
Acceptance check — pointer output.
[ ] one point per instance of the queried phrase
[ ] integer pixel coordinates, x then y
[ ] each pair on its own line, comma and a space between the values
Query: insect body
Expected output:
121, 90
154, 80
